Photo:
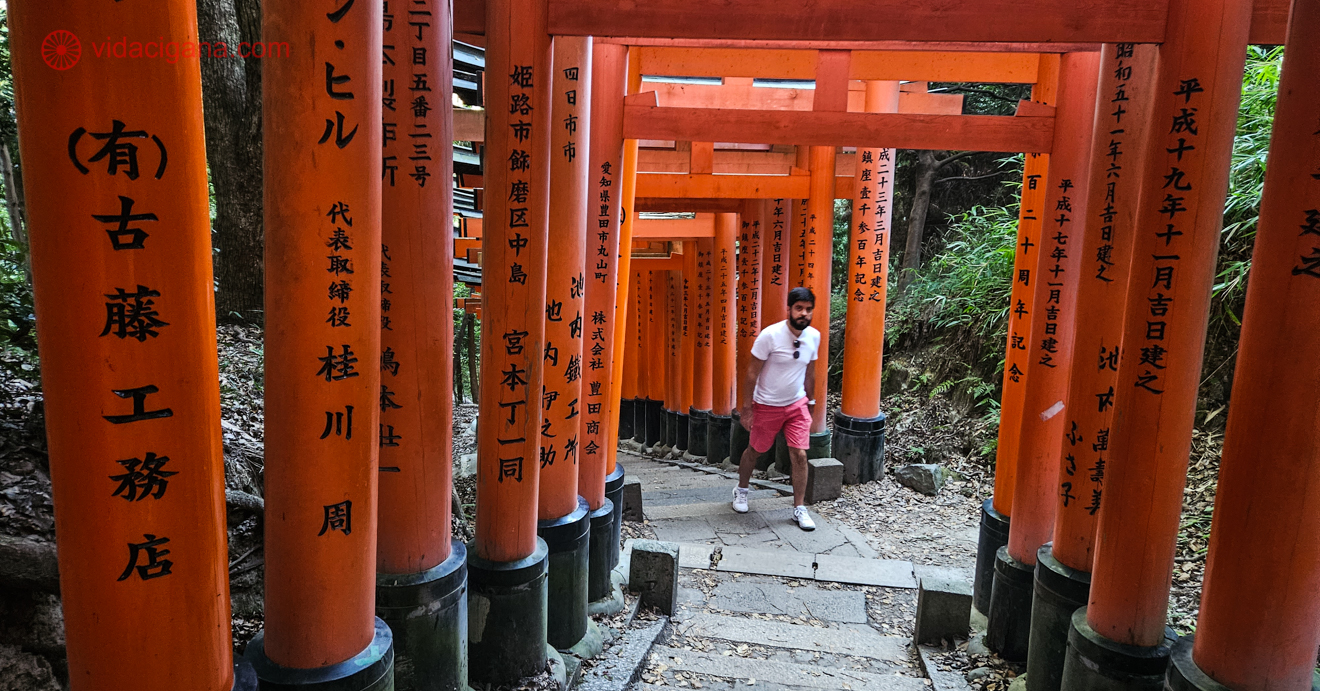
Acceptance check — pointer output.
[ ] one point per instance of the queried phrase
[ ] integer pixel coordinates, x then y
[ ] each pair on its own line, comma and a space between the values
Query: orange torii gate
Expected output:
321, 586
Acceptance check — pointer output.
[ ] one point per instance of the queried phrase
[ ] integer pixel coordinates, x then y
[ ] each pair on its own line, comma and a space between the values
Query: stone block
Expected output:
926, 478
632, 499
824, 479
653, 572
944, 610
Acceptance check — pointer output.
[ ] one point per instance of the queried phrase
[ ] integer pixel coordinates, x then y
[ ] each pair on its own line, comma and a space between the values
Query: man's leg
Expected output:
747, 464
798, 457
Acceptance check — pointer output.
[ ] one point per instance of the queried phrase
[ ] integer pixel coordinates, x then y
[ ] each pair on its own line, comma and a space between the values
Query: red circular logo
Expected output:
61, 49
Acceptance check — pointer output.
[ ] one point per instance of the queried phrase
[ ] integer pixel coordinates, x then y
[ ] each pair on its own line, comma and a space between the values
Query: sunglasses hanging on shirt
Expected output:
796, 353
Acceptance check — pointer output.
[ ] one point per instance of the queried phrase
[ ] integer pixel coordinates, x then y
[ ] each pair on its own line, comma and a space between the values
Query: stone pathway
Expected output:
765, 605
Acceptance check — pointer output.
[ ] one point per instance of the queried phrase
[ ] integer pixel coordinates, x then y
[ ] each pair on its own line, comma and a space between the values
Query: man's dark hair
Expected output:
801, 294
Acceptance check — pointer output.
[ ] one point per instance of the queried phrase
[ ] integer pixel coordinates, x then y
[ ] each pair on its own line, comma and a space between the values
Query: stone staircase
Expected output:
765, 605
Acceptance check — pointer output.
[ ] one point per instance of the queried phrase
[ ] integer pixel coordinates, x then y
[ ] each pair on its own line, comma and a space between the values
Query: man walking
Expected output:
781, 372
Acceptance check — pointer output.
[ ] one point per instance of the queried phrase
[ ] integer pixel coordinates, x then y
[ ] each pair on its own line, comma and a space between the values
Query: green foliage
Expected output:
965, 284
1260, 86
17, 323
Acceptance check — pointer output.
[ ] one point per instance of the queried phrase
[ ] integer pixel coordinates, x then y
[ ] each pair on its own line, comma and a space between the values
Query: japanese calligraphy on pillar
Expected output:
565, 361
414, 103
520, 98
513, 367
870, 238
799, 242
131, 316
1161, 284
1029, 231
1106, 255
779, 217
349, 255
723, 276
749, 278
116, 157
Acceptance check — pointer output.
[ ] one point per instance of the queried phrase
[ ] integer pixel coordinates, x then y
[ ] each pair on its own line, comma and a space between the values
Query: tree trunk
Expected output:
14, 206
927, 168
231, 96
458, 364
469, 331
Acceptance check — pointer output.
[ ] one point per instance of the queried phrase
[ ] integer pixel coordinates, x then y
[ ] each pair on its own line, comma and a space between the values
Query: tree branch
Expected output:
953, 159
242, 500
973, 177
970, 90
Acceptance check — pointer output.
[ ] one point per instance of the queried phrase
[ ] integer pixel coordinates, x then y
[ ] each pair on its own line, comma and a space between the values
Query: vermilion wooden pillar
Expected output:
603, 276
636, 354
996, 510
1197, 88
722, 266
797, 255
627, 216
702, 353
820, 248
1259, 625
568, 353
688, 345
748, 309
1062, 576
422, 570
321, 117
1054, 280
774, 262
655, 356
508, 626
859, 426
673, 357
114, 163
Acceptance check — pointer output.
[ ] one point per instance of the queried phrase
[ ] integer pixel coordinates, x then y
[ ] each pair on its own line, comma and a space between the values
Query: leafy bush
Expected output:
964, 286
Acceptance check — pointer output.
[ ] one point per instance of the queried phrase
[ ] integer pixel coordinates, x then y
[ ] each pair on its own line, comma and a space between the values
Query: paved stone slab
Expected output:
767, 562
823, 539
755, 596
787, 673
882, 572
620, 668
948, 573
739, 523
834, 605
858, 540
847, 549
766, 595
861, 641
718, 508
681, 479
941, 681
694, 530
694, 556
700, 495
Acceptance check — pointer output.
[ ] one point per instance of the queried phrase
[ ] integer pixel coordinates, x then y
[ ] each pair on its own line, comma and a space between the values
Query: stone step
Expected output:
717, 508
786, 673
844, 639
681, 479
786, 562
704, 495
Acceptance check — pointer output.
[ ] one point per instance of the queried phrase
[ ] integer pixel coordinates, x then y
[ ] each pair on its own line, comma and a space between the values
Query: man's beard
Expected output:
799, 323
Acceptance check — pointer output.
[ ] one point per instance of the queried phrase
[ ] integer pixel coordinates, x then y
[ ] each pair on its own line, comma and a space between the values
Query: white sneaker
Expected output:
740, 499
803, 518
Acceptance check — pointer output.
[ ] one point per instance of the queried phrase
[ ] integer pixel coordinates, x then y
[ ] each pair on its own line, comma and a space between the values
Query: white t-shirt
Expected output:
783, 376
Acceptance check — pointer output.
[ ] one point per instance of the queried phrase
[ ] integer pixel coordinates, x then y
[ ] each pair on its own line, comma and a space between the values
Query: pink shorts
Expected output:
794, 419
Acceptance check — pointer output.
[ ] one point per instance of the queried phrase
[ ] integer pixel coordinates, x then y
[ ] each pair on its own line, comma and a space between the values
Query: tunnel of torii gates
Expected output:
1127, 135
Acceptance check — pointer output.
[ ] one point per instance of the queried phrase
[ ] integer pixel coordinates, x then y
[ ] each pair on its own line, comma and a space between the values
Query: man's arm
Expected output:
748, 384
810, 383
